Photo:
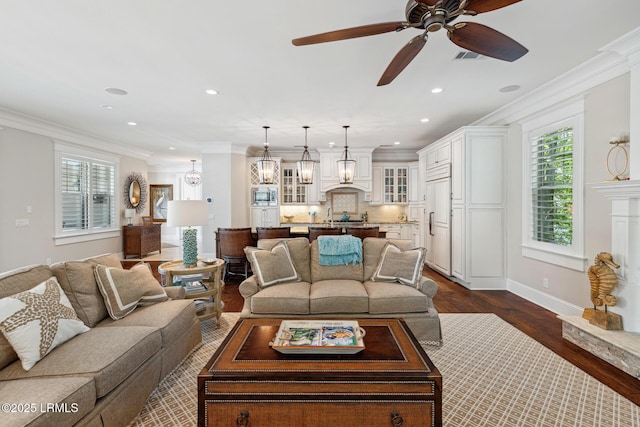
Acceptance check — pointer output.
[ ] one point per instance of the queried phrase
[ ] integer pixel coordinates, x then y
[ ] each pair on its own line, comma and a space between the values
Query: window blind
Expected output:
552, 187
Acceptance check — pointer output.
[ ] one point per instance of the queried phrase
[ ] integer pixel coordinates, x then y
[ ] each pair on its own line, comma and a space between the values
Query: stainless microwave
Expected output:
264, 196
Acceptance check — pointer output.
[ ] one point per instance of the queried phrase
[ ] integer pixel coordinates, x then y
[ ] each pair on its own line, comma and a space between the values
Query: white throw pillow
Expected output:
38, 320
400, 266
274, 266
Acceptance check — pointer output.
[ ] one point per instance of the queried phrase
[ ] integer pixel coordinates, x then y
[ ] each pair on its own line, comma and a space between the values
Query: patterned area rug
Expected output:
493, 375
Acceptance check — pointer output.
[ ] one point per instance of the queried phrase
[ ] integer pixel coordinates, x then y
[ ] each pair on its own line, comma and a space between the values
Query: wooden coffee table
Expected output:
392, 382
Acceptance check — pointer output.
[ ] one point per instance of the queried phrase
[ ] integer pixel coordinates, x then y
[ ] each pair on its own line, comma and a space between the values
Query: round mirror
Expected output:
134, 193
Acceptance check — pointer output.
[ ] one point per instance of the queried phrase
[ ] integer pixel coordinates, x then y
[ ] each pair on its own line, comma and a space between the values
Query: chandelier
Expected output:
305, 166
193, 177
346, 165
266, 165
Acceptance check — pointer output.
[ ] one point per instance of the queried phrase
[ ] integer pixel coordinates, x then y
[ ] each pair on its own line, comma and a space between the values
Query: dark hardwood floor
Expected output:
539, 323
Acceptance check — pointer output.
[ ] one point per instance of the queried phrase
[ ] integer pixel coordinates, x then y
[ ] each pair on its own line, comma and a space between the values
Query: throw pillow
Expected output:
400, 266
274, 266
38, 320
124, 290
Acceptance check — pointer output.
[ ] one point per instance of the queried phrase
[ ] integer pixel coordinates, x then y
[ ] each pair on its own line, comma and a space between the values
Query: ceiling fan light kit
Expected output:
432, 16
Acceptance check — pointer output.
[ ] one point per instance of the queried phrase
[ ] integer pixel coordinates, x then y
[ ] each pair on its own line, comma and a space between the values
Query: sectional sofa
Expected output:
103, 376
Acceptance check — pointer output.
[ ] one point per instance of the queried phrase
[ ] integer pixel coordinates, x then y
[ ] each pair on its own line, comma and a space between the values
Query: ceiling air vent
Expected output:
463, 55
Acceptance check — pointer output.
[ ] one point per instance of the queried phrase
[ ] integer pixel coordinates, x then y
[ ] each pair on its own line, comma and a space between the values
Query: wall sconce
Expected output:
618, 158
266, 165
305, 166
346, 165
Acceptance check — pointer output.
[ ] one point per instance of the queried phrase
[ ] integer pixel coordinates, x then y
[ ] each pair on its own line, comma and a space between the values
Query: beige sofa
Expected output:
104, 376
344, 291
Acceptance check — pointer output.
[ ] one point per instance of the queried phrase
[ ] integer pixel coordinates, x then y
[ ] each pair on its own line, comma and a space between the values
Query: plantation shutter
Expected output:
74, 179
103, 195
552, 187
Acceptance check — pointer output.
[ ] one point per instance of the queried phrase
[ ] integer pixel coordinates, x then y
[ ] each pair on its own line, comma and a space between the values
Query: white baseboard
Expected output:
547, 301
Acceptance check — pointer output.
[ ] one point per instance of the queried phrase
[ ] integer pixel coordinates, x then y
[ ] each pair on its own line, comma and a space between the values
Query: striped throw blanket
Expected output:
339, 250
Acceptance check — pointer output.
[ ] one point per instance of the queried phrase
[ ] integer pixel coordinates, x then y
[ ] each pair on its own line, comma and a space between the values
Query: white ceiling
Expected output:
57, 57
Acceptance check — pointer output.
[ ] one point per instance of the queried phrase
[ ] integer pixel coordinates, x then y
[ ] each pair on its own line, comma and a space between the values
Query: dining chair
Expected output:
232, 242
273, 232
363, 232
314, 232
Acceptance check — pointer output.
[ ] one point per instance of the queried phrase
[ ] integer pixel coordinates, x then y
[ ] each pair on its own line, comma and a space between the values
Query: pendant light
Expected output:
266, 165
193, 177
346, 165
305, 166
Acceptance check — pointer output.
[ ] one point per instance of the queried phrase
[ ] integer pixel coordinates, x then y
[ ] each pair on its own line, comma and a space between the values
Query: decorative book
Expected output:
319, 337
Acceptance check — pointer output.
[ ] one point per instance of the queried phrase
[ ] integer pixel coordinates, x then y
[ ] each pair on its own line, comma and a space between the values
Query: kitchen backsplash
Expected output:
376, 213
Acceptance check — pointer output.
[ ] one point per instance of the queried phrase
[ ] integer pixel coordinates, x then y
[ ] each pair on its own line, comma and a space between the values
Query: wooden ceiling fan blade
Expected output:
402, 59
486, 41
482, 6
428, 2
351, 33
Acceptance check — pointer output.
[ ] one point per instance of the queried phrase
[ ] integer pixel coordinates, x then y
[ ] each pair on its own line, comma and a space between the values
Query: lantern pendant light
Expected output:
305, 166
266, 165
193, 177
346, 165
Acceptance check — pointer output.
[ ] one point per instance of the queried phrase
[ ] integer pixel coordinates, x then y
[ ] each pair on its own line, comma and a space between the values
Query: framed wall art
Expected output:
160, 196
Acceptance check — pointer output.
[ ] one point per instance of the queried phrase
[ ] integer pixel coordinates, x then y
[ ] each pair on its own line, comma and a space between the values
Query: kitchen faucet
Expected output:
330, 215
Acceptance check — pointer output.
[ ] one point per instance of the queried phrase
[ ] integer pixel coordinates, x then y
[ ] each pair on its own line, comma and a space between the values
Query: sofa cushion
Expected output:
396, 265
338, 296
124, 290
38, 320
78, 281
372, 249
328, 272
272, 266
171, 317
285, 298
299, 250
109, 355
385, 298
12, 282
76, 396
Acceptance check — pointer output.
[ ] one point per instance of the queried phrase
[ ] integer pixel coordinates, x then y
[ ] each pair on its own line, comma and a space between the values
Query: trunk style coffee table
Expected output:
392, 382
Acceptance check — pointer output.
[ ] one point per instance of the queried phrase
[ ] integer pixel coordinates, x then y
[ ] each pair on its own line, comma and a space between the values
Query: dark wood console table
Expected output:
140, 240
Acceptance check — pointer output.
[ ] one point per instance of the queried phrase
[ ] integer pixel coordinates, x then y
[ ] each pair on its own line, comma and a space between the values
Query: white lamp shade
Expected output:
129, 213
187, 213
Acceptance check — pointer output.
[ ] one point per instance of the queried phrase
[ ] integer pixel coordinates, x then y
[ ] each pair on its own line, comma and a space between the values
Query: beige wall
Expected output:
606, 115
26, 173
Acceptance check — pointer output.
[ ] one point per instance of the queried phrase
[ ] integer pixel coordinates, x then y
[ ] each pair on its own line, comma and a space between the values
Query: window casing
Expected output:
553, 208
86, 194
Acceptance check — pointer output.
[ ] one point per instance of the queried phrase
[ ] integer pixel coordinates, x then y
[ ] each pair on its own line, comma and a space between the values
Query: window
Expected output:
86, 195
552, 178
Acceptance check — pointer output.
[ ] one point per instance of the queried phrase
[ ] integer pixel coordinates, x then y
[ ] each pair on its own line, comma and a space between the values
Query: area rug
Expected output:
493, 375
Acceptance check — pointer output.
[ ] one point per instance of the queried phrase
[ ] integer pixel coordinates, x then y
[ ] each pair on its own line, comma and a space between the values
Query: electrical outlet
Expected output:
22, 223
545, 282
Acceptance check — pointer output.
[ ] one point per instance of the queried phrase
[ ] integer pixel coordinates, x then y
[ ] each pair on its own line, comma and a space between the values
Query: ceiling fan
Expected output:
432, 16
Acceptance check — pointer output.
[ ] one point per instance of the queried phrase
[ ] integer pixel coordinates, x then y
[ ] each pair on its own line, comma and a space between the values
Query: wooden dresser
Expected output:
140, 240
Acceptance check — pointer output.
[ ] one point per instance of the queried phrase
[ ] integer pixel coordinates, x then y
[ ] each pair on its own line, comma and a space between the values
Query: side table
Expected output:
214, 305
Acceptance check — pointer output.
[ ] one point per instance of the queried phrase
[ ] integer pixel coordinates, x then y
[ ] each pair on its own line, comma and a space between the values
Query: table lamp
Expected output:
188, 213
129, 213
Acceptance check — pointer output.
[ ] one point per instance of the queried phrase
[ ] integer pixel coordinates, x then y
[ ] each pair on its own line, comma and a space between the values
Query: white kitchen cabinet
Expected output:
438, 207
292, 192
377, 191
329, 169
390, 184
394, 231
414, 182
265, 217
476, 208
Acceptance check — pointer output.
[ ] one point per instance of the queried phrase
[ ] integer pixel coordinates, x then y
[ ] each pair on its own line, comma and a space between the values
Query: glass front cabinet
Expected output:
396, 180
293, 193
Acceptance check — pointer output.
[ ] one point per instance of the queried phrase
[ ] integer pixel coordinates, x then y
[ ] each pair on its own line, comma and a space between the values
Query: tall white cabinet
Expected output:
476, 208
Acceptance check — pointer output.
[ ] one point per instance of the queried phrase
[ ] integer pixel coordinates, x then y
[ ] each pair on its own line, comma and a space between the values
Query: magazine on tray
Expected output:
319, 337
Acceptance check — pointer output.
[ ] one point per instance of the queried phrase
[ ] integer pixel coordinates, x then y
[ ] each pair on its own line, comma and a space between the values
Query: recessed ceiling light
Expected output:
211, 91
425, 120
396, 143
332, 143
436, 90
510, 88
107, 106
172, 148
116, 91
132, 123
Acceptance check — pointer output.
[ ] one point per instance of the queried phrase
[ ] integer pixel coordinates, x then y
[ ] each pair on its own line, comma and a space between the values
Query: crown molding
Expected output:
24, 122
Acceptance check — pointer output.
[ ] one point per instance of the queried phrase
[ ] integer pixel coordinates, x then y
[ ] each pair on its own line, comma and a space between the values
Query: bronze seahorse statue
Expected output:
603, 279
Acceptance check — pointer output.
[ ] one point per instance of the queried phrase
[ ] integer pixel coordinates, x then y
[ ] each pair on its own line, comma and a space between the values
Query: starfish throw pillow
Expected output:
38, 320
